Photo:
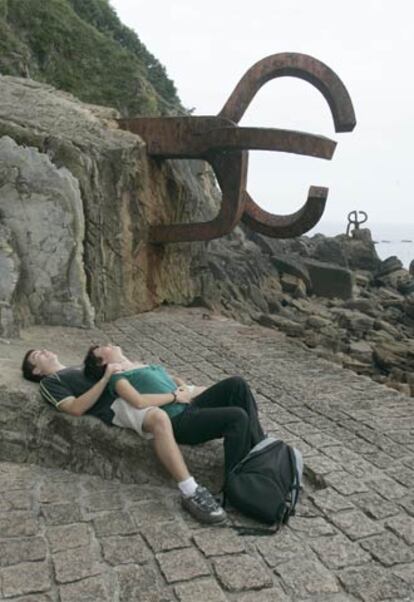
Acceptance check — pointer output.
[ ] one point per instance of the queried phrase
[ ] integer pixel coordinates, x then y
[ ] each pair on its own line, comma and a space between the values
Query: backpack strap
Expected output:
244, 530
295, 488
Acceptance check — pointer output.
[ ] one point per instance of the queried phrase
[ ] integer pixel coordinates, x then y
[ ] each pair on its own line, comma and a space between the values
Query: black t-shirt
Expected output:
71, 382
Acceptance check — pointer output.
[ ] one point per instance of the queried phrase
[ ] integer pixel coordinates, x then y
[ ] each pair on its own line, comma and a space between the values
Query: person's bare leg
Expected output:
158, 423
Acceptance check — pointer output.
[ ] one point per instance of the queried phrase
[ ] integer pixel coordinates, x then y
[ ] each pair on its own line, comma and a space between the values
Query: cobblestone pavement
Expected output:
67, 537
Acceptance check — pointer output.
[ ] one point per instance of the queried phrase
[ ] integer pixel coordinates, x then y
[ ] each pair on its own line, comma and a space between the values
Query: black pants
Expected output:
227, 409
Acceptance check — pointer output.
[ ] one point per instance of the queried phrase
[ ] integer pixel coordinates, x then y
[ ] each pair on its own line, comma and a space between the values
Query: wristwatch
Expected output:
175, 396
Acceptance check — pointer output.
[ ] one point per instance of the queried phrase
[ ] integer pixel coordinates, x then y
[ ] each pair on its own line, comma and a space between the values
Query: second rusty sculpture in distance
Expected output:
221, 142
354, 221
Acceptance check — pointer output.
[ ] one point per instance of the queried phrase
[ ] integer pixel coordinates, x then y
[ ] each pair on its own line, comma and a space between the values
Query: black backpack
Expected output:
265, 484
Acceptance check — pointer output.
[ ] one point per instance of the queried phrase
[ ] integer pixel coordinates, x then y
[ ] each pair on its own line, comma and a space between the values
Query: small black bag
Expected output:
265, 484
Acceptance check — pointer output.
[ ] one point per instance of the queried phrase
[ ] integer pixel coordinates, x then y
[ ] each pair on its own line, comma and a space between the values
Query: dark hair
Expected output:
28, 367
94, 368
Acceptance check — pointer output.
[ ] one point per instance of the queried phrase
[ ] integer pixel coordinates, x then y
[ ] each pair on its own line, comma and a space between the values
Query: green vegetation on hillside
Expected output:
81, 46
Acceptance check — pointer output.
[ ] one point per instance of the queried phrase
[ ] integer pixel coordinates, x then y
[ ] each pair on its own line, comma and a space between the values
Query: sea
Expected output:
390, 239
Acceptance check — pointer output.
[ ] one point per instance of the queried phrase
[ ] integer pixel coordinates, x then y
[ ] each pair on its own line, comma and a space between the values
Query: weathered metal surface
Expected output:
298, 65
354, 221
221, 142
195, 137
286, 226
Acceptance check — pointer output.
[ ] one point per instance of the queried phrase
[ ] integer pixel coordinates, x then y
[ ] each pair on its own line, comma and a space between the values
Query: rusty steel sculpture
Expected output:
354, 221
222, 143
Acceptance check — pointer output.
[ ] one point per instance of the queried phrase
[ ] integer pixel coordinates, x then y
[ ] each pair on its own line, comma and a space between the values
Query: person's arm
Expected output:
178, 381
145, 400
77, 406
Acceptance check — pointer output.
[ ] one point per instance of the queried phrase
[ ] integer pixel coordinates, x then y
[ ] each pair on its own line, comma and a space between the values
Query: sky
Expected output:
207, 47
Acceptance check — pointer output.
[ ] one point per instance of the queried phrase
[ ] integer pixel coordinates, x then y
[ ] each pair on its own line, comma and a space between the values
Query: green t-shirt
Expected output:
150, 379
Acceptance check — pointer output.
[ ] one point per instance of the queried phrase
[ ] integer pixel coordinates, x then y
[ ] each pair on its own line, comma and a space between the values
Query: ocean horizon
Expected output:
390, 239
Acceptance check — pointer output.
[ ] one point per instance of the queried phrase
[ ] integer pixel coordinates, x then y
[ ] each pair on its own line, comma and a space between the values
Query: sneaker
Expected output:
203, 507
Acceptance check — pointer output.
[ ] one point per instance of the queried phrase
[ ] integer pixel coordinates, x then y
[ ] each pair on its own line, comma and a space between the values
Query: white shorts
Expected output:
129, 417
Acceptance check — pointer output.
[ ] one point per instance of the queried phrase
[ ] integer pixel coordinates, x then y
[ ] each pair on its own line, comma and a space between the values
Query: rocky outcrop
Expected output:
235, 278
42, 207
362, 319
359, 250
329, 280
77, 195
370, 329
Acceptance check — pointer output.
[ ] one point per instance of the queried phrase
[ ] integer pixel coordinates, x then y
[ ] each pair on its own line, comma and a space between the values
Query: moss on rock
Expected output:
81, 46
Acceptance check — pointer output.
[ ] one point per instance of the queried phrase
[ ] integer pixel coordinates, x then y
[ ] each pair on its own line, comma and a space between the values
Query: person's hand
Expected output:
112, 369
183, 394
197, 391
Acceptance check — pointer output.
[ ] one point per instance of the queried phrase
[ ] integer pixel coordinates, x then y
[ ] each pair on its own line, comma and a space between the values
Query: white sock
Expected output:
188, 486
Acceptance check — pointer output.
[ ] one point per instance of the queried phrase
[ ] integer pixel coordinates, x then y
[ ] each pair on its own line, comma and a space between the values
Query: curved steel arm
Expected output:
298, 65
287, 141
328, 83
186, 137
286, 226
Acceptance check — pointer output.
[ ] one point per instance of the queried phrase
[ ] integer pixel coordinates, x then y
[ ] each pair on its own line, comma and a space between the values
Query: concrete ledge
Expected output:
34, 433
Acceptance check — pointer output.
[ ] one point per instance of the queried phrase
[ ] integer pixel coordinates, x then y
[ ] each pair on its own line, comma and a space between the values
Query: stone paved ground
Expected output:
67, 537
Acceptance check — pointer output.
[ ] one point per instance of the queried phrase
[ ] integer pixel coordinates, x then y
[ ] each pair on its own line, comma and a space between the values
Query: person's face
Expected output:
108, 354
43, 361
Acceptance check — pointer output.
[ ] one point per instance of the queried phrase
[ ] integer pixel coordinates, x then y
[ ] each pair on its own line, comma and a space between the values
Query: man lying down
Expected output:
158, 406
